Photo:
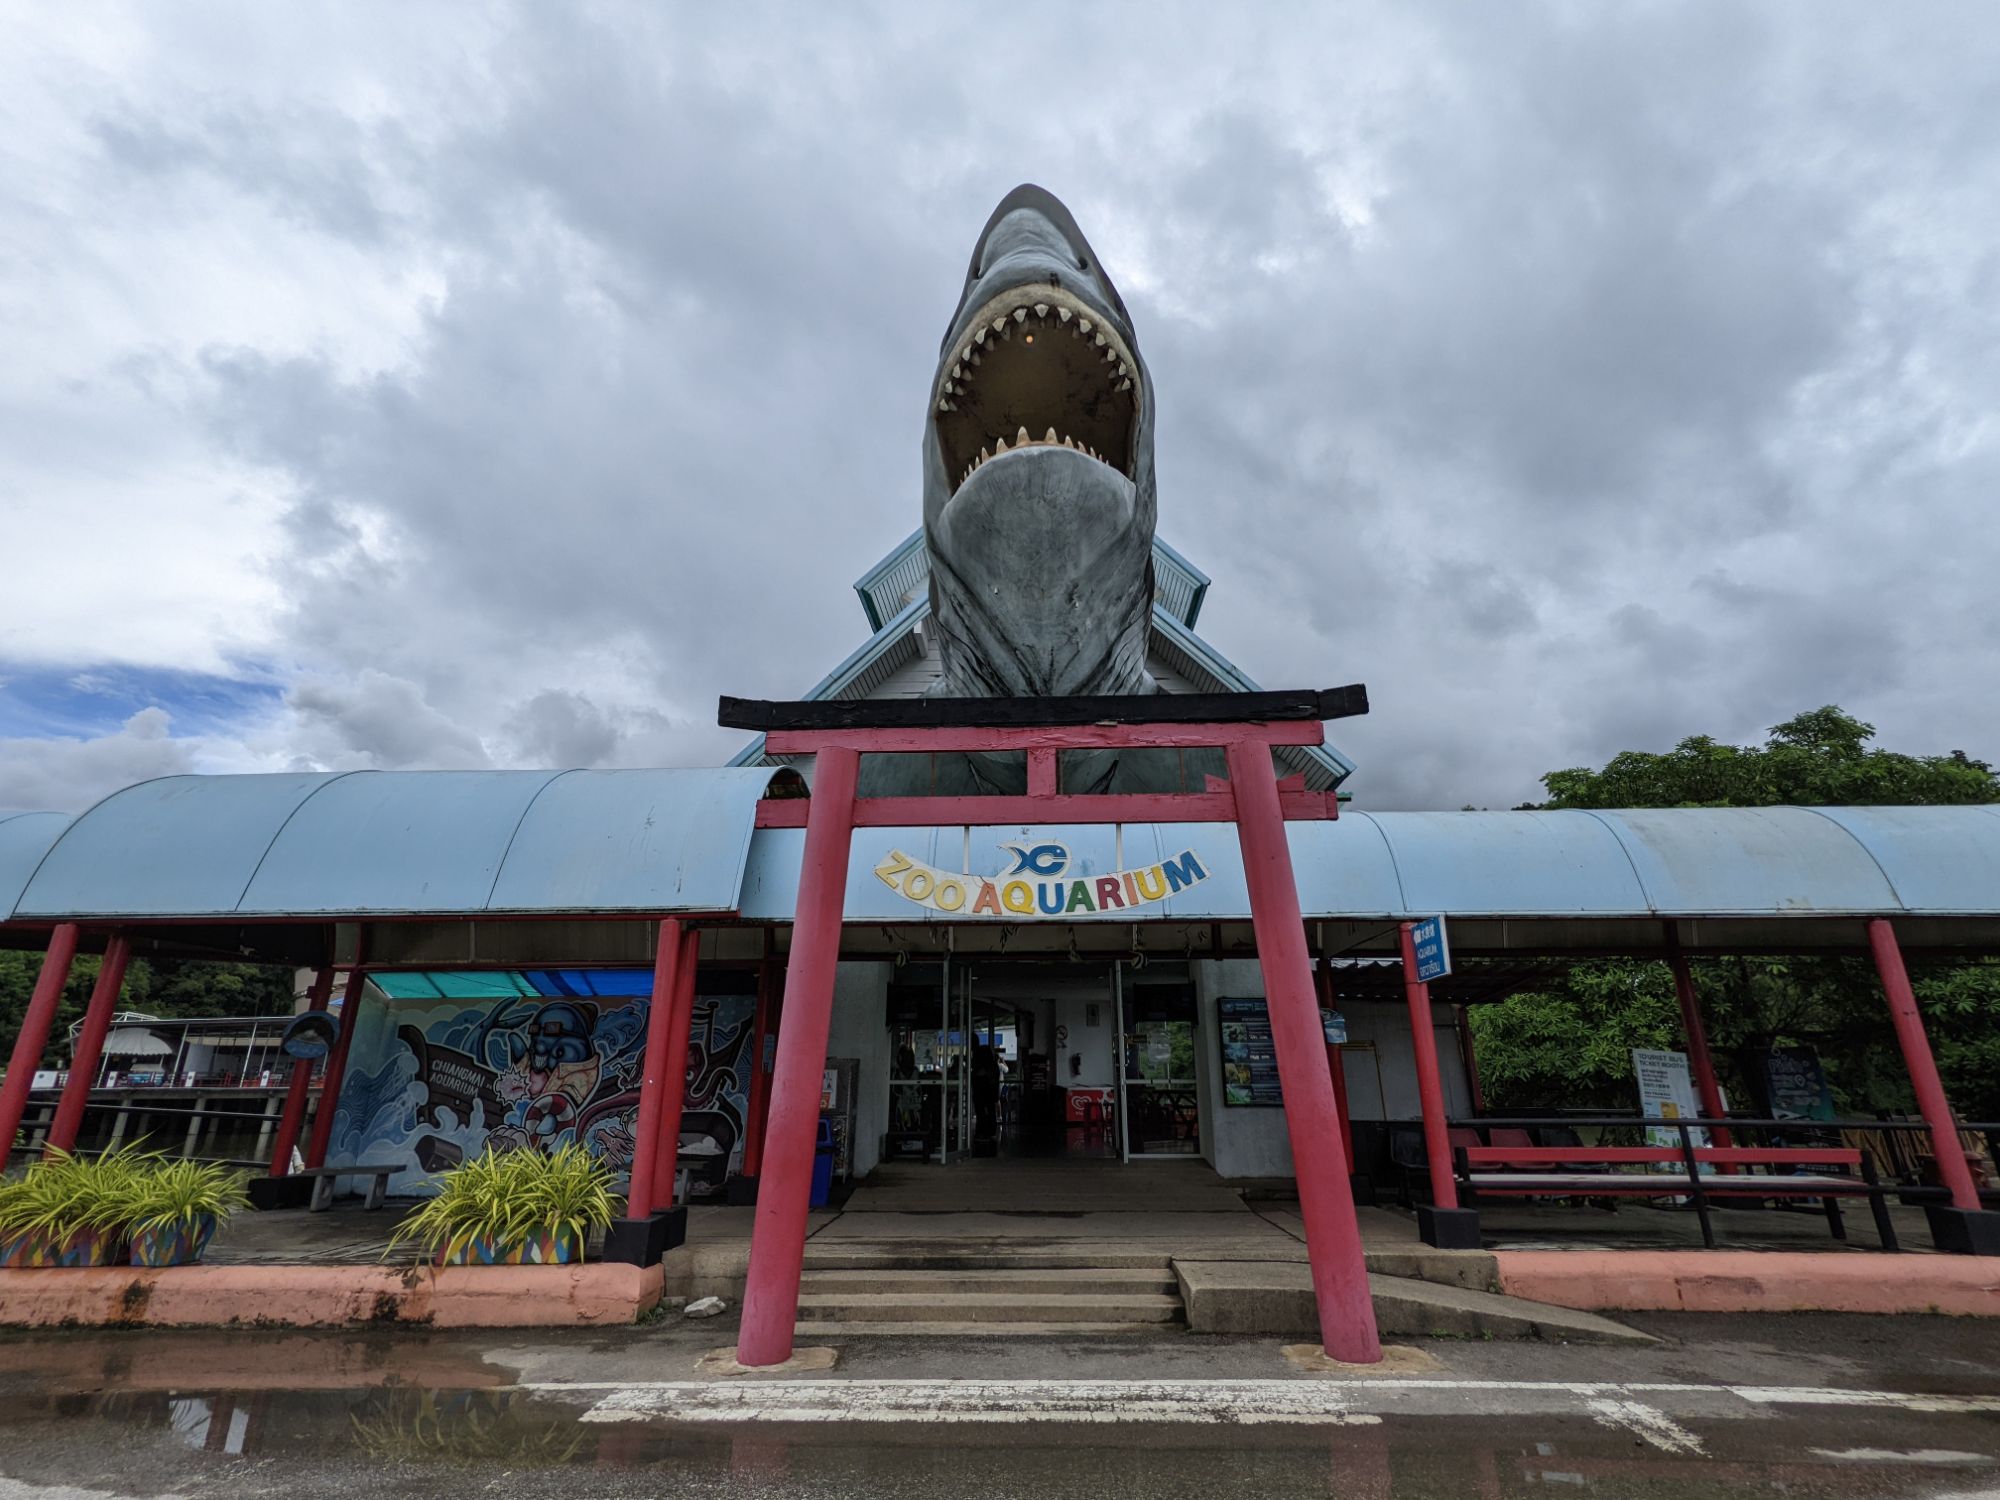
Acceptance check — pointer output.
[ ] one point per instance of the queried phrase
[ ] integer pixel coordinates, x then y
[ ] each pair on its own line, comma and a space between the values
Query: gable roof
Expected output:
897, 661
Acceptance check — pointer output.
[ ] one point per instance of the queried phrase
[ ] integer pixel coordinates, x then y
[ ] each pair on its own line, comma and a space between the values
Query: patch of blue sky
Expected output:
42, 702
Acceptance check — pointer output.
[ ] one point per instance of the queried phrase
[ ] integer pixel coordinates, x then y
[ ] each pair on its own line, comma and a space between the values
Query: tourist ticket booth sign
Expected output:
1433, 950
1249, 1055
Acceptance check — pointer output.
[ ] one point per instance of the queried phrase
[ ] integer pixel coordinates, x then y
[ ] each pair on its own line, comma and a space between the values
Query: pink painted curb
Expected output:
1752, 1281
328, 1296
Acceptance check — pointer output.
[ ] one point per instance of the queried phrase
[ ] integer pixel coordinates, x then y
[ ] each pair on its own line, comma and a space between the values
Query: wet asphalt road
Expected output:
1802, 1406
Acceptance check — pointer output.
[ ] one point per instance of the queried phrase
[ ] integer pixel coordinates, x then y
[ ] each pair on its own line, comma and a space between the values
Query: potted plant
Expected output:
175, 1208
513, 1208
68, 1210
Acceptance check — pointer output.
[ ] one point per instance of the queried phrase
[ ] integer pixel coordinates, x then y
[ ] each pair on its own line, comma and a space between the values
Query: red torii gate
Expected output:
1246, 727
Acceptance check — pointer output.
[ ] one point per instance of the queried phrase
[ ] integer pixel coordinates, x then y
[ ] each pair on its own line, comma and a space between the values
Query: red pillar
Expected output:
1312, 1121
89, 1045
336, 1069
1936, 1109
778, 1244
41, 1015
639, 1196
759, 1091
1430, 1082
1335, 1068
1707, 1091
674, 1069
300, 1087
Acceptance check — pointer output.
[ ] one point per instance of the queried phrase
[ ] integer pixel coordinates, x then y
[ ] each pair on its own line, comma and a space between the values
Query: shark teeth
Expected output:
1022, 440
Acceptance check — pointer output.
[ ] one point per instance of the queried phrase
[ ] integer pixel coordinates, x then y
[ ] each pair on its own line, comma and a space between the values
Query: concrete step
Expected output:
901, 1255
989, 1307
1071, 1281
827, 1328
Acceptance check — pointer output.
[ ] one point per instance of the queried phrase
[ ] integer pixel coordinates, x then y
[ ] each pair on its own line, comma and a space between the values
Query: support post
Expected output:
742, 1188
336, 1068
1963, 1226
1333, 1234
35, 1024
1707, 1091
1441, 1222
90, 1045
1337, 1069
673, 1074
300, 1086
778, 1244
640, 1237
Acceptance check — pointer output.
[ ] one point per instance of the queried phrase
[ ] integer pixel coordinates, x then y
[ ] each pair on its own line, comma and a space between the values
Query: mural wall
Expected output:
431, 1082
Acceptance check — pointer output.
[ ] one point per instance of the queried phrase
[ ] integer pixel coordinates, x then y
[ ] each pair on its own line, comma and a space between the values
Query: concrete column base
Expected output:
641, 1242
1448, 1228
1959, 1231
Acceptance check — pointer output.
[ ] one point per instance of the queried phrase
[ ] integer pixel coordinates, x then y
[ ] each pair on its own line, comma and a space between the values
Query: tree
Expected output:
1571, 1043
159, 986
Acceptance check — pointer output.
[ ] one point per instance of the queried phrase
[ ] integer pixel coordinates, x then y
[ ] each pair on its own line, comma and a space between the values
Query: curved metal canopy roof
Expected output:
494, 843
1676, 862
389, 843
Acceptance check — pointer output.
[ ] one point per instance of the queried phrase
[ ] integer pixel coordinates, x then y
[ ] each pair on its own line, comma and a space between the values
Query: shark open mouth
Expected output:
1036, 367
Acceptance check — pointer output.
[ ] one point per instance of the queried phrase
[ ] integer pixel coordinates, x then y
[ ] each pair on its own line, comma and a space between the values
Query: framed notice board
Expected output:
1249, 1060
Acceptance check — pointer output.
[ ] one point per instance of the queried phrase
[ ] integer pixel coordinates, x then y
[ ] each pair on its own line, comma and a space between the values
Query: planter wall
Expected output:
181, 1245
559, 1248
86, 1247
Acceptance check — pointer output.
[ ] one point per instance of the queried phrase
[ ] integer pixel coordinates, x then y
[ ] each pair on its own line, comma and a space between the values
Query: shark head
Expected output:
1038, 469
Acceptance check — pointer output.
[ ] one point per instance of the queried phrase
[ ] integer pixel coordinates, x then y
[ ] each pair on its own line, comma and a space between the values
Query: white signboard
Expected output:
1666, 1092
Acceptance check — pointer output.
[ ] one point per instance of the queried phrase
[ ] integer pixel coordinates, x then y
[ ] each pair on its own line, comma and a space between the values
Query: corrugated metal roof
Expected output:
392, 843
24, 839
1683, 862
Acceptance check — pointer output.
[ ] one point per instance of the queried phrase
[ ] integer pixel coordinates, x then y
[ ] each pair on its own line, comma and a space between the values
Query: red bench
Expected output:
1826, 1173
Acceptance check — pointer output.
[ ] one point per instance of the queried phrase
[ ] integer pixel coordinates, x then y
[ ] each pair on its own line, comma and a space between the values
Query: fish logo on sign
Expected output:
1036, 887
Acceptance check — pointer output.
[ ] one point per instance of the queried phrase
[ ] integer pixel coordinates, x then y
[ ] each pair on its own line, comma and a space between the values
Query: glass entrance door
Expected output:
1161, 1115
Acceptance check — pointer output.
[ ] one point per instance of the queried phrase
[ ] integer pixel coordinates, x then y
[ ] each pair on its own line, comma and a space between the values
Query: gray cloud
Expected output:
67, 775
1580, 378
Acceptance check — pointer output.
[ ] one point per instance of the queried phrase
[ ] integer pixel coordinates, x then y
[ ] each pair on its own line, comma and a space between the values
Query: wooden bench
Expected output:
323, 1177
1828, 1174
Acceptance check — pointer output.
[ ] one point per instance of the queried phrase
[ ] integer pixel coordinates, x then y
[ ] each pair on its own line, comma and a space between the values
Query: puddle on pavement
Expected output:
510, 1432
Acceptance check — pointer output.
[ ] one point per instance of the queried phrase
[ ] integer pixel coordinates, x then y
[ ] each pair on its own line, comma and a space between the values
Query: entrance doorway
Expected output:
1162, 1112
1022, 1058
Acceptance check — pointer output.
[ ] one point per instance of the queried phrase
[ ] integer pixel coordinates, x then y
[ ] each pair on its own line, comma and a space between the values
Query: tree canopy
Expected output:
1571, 1045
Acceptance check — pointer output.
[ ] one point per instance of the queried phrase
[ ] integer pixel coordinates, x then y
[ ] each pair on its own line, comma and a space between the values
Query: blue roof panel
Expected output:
651, 841
181, 846
24, 839
395, 841
1720, 861
1938, 859
1505, 863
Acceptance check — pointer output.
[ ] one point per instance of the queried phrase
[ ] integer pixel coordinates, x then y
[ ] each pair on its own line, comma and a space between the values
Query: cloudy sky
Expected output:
414, 386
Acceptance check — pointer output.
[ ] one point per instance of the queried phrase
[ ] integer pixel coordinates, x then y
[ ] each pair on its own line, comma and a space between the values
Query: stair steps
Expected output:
973, 1300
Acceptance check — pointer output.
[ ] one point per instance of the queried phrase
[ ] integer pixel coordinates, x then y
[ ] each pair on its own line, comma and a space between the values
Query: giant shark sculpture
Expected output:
1038, 470
1039, 501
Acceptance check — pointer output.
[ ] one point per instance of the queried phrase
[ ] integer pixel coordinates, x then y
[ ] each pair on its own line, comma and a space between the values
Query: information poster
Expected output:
1666, 1093
1249, 1060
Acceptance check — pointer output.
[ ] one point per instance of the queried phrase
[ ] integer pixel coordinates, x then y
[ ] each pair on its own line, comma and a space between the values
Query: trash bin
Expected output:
823, 1164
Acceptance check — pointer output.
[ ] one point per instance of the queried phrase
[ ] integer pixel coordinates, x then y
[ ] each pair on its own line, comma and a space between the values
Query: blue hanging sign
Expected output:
1433, 951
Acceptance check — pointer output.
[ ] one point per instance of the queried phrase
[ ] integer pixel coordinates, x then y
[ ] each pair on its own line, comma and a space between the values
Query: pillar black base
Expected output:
279, 1192
641, 1242
1961, 1231
740, 1192
1448, 1228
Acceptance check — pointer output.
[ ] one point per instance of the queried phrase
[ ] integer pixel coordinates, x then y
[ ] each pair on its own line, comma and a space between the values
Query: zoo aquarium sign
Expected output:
1038, 887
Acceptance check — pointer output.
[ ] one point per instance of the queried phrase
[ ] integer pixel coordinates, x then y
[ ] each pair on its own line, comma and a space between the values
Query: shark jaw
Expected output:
1037, 367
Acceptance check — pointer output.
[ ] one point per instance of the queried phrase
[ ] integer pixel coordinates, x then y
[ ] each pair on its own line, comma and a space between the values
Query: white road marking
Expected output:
1902, 1455
1652, 1424
1654, 1410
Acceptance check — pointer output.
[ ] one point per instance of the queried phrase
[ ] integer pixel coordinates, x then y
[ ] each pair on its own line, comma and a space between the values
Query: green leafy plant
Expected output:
505, 1198
178, 1195
62, 1194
